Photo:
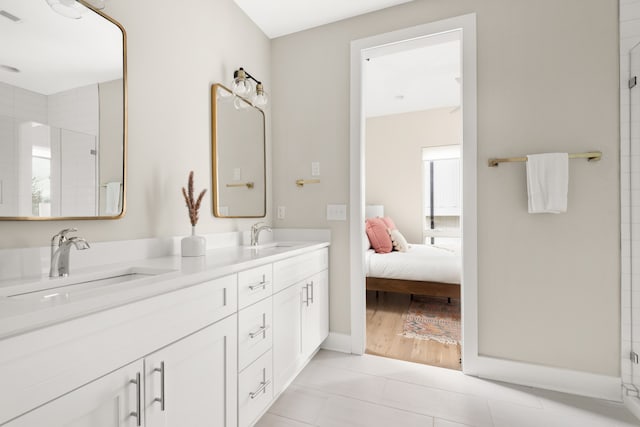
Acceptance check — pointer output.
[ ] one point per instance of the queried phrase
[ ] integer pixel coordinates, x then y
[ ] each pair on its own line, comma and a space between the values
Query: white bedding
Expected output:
421, 262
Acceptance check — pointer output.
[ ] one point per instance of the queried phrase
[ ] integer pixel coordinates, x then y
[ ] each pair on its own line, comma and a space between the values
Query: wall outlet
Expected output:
336, 212
315, 168
282, 211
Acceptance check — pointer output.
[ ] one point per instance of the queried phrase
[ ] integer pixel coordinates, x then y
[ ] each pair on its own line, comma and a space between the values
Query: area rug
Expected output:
432, 318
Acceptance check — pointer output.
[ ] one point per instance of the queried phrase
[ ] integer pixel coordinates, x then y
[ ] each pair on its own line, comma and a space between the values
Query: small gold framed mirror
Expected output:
238, 149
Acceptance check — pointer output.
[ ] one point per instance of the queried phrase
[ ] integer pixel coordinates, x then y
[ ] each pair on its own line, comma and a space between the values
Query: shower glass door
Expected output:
630, 193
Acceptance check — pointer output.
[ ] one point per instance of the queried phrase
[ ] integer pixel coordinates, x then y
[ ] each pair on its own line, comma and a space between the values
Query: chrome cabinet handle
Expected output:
161, 398
259, 331
306, 292
262, 284
262, 388
138, 412
311, 284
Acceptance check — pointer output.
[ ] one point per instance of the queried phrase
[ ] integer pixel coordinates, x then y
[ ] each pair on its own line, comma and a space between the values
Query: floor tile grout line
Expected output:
334, 394
292, 419
536, 397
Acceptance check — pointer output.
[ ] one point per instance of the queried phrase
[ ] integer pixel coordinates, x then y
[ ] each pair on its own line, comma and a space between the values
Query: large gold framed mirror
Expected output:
63, 112
238, 150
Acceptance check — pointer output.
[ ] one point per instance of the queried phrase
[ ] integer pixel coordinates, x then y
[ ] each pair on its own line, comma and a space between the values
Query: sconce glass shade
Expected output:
240, 85
67, 8
260, 98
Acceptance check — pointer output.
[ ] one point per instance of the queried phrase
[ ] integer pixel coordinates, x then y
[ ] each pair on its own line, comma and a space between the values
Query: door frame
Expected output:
469, 285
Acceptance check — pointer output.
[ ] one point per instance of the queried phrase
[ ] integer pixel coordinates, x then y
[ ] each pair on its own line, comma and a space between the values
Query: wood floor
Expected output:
385, 317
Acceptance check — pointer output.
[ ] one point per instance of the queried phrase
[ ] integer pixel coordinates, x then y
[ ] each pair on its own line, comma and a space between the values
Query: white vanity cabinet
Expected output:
300, 313
71, 373
255, 340
208, 351
192, 382
114, 400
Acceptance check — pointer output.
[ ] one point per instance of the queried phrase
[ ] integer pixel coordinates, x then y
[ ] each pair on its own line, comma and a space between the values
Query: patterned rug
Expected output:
432, 318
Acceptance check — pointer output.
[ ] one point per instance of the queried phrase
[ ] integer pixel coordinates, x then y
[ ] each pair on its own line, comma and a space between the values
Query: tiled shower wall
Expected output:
629, 193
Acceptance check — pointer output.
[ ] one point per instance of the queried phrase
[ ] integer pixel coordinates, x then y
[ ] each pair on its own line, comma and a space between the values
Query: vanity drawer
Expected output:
255, 332
255, 390
254, 285
292, 270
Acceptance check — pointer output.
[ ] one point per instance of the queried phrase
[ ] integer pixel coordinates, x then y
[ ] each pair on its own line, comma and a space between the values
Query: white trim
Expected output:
337, 342
632, 404
469, 159
550, 378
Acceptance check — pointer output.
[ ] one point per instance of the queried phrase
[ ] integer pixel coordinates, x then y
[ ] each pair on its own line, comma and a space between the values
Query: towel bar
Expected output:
591, 156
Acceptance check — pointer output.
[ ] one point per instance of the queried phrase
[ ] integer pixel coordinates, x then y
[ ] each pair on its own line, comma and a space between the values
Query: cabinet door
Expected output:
315, 313
287, 335
192, 382
110, 401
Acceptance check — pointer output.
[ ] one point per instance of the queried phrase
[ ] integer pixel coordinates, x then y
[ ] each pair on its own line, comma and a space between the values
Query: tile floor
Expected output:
337, 390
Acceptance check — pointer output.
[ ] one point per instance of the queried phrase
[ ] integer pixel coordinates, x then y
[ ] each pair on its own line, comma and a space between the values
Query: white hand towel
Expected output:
548, 182
112, 199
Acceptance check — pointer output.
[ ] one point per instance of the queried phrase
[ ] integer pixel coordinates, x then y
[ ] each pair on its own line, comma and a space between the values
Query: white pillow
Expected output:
399, 242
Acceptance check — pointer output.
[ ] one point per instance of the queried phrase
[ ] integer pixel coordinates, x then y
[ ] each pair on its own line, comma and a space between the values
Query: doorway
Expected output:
413, 130
398, 41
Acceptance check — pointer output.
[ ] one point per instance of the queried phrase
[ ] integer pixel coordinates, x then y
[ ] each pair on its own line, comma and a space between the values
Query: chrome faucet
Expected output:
60, 247
255, 232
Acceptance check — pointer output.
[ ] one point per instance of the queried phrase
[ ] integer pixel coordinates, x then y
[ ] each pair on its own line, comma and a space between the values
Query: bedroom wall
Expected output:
549, 285
176, 50
394, 162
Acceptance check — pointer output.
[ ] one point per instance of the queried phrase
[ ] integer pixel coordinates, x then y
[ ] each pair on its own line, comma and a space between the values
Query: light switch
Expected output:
282, 211
237, 176
336, 212
315, 168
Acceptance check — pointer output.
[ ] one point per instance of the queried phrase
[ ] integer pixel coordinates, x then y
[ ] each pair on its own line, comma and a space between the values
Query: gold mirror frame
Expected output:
215, 143
124, 136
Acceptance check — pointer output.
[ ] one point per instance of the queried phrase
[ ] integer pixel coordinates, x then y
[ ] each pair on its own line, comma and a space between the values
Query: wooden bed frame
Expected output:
432, 289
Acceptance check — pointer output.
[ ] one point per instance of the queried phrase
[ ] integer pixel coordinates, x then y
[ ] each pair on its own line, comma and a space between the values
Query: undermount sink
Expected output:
271, 246
59, 289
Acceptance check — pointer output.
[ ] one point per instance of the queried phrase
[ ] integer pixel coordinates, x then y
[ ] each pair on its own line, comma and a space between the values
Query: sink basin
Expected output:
274, 246
59, 289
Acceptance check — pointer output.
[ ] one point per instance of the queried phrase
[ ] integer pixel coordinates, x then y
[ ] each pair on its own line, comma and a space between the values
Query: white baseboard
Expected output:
337, 342
549, 378
633, 405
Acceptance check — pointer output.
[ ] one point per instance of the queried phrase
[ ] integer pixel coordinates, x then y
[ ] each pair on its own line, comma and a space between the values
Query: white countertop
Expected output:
20, 313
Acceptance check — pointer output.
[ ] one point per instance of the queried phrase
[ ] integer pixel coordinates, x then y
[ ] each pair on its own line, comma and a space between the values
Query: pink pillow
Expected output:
388, 222
378, 235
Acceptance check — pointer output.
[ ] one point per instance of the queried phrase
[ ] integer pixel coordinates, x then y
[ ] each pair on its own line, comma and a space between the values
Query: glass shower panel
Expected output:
630, 154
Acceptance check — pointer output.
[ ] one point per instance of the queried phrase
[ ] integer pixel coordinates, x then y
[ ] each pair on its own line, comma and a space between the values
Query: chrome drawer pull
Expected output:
260, 331
262, 388
161, 398
138, 412
262, 284
311, 291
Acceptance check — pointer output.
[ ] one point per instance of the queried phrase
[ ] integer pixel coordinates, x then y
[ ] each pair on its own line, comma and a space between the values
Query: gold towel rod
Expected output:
302, 182
591, 156
249, 185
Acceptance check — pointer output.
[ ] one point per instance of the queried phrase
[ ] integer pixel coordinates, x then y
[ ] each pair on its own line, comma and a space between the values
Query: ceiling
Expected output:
281, 17
418, 75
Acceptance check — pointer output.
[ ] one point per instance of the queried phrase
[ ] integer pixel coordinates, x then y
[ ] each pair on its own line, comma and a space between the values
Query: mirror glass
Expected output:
238, 147
62, 113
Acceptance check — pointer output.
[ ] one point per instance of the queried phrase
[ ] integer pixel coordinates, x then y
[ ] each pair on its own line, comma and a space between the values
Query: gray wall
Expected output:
547, 81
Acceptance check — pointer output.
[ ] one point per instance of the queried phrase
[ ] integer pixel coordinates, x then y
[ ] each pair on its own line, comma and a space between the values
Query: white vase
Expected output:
193, 245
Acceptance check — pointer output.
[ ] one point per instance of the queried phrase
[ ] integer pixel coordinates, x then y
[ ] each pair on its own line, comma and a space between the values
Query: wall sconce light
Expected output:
243, 87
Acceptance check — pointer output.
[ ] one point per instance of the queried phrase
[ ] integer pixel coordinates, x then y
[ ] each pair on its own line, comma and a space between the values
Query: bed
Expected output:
422, 270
